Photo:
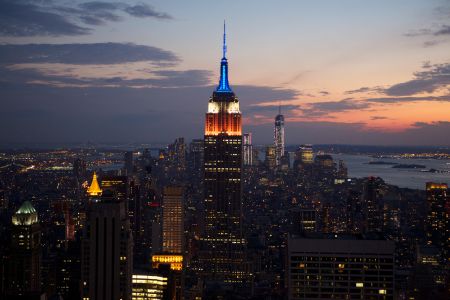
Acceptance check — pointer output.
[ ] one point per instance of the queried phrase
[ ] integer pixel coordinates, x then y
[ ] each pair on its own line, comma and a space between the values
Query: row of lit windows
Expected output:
223, 169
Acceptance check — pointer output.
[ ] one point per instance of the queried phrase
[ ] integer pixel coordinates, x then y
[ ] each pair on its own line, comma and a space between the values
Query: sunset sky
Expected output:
347, 72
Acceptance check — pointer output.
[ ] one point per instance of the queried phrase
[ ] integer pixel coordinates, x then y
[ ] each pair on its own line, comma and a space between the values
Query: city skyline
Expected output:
347, 73
132, 169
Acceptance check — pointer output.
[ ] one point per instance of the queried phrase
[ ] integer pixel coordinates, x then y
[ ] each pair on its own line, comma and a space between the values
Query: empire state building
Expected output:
223, 247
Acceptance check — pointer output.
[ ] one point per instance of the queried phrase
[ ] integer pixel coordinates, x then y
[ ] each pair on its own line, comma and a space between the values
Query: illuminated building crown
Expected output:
223, 116
94, 189
26, 215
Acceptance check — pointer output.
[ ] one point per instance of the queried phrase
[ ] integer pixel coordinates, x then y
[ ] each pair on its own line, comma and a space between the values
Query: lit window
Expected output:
359, 284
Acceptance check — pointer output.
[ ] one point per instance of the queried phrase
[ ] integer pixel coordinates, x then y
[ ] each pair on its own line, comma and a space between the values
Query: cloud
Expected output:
156, 78
96, 65
273, 109
365, 89
23, 18
47, 18
343, 105
418, 32
426, 81
100, 6
325, 108
144, 10
97, 12
374, 118
407, 99
432, 78
444, 30
98, 53
432, 43
166, 79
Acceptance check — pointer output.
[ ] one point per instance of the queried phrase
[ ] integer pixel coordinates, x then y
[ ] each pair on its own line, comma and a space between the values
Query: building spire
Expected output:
224, 49
223, 83
94, 189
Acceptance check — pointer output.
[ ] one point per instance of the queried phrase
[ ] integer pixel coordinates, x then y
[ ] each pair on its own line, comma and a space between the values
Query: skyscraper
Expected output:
173, 220
222, 253
172, 237
373, 205
248, 149
128, 157
279, 137
438, 224
177, 154
107, 243
24, 263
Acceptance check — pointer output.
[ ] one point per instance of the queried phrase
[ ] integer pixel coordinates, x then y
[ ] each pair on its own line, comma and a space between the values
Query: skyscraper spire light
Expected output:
224, 86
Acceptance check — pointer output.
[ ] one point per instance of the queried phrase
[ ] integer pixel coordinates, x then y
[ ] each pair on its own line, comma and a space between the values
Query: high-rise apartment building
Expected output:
279, 137
340, 267
107, 257
222, 253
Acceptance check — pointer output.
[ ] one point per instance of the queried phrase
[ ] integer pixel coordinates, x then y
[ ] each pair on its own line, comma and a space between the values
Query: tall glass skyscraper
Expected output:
279, 137
222, 254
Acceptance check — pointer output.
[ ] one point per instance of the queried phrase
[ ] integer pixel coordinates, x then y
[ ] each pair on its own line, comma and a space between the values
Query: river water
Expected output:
408, 178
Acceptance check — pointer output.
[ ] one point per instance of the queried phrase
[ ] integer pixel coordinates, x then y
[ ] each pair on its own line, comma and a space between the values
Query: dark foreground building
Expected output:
107, 258
340, 267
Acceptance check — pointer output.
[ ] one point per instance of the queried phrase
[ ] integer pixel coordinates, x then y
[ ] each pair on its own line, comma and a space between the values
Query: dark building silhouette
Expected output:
438, 223
107, 243
23, 272
128, 157
373, 208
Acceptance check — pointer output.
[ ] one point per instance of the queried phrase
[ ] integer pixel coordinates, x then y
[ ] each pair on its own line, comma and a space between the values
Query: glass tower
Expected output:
279, 137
